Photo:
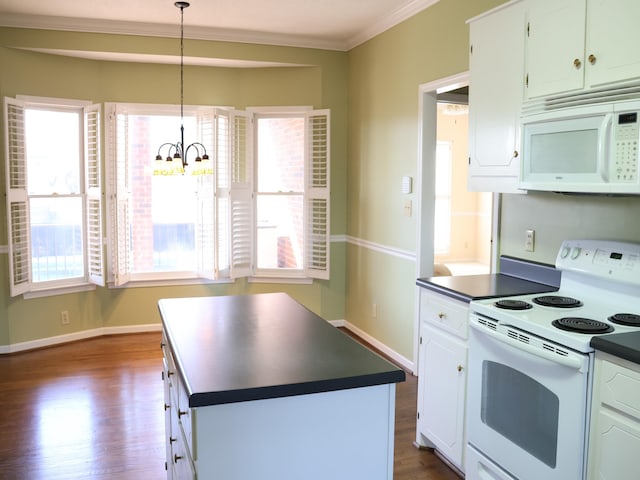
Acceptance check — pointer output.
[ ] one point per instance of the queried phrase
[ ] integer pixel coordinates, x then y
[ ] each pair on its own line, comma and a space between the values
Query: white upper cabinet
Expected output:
576, 44
613, 37
495, 97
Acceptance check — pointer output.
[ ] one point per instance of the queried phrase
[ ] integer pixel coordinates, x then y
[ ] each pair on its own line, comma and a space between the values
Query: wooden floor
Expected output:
93, 410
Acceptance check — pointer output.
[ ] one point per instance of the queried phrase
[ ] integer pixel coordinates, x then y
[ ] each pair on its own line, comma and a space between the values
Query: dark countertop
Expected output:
623, 345
251, 347
517, 277
475, 287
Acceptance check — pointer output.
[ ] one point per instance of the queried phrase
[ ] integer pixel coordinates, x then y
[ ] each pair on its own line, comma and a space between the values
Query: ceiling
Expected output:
328, 24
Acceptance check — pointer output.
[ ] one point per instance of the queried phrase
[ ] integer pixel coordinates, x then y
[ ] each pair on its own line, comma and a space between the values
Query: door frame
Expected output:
425, 186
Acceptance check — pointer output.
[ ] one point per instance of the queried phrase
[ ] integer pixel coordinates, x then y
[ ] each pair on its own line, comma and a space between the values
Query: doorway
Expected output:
462, 219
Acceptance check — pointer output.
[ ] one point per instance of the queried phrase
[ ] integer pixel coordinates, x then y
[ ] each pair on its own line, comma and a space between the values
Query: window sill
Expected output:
169, 282
284, 280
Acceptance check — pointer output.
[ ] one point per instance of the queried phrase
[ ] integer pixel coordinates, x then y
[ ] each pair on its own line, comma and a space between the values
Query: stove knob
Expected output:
564, 252
575, 253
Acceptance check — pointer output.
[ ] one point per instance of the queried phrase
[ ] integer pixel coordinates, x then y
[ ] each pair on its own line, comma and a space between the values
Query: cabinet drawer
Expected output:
620, 388
187, 417
449, 314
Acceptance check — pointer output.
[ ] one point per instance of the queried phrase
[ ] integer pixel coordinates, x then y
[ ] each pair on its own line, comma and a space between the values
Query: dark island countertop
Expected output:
622, 345
517, 277
251, 347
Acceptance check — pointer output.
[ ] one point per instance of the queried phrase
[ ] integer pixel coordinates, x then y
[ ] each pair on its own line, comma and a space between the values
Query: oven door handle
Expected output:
571, 361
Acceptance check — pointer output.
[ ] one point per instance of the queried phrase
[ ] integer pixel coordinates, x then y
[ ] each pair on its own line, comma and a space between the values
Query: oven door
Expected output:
526, 404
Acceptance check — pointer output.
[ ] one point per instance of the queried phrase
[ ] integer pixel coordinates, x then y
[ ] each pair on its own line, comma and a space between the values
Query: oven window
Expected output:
521, 410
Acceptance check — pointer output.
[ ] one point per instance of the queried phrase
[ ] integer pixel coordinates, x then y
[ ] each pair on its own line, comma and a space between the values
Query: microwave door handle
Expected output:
568, 361
604, 146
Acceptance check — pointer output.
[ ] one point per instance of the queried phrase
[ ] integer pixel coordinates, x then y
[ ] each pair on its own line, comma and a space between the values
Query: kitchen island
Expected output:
258, 386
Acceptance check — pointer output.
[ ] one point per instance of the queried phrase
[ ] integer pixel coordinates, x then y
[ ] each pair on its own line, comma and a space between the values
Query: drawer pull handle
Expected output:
577, 63
592, 59
460, 368
166, 407
170, 373
181, 413
442, 315
177, 457
171, 439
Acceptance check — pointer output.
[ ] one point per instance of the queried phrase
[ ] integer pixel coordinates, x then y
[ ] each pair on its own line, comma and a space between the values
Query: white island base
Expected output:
343, 434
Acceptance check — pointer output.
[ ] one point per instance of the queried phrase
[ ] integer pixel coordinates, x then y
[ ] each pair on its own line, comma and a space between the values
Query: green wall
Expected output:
314, 77
384, 78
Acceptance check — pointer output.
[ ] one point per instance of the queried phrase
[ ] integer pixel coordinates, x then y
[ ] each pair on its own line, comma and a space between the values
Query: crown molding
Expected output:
87, 25
405, 12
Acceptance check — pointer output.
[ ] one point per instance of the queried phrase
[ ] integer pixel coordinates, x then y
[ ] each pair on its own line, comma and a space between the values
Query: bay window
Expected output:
263, 212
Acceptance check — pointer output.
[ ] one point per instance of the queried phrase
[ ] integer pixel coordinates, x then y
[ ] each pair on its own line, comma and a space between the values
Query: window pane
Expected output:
56, 238
280, 231
163, 208
53, 151
281, 154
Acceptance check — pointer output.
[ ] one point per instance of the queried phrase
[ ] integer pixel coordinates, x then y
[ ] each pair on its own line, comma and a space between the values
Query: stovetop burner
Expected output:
513, 304
557, 301
582, 325
630, 319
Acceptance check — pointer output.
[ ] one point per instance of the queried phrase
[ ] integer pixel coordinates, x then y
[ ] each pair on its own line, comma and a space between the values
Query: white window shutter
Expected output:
317, 221
17, 203
119, 194
222, 174
205, 224
93, 188
241, 209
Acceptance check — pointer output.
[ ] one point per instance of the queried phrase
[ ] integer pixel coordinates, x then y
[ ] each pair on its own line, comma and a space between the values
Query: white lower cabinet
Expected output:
442, 375
179, 463
615, 420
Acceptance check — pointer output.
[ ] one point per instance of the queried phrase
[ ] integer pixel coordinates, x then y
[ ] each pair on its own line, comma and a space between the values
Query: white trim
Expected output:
403, 13
216, 34
72, 337
396, 252
401, 361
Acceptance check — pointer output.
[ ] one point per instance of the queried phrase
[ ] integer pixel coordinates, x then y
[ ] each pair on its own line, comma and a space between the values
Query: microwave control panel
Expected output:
627, 136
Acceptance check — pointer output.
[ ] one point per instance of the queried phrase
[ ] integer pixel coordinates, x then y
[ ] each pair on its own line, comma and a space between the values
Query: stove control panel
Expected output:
618, 261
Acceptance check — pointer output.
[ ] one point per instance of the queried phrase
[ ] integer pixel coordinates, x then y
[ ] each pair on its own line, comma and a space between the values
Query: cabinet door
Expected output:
618, 440
495, 97
613, 36
443, 385
555, 46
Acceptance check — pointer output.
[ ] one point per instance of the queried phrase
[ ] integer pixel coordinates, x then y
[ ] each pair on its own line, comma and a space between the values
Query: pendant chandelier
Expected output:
175, 161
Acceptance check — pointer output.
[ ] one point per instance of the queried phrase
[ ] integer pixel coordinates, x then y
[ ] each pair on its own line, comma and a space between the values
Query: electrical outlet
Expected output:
64, 317
529, 242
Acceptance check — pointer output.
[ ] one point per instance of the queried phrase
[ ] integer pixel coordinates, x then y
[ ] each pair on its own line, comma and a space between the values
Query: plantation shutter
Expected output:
17, 203
205, 223
222, 174
317, 231
93, 188
119, 197
241, 195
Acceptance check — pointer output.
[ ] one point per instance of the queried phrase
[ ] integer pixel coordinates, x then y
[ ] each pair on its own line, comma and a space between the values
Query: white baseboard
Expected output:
72, 337
156, 327
403, 362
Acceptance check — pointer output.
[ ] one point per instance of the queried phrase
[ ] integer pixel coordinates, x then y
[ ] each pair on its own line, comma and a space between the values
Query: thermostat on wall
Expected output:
407, 184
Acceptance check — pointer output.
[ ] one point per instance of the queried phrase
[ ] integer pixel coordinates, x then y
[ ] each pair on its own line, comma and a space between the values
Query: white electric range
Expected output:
531, 362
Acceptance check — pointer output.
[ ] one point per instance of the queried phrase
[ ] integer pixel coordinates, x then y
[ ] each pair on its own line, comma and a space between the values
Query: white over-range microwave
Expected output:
585, 149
